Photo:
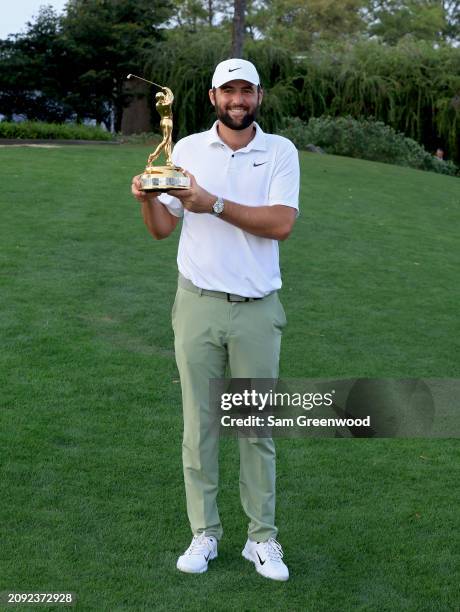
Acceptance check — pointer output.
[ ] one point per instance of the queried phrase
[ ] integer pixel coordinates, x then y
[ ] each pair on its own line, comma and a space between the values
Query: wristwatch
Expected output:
218, 207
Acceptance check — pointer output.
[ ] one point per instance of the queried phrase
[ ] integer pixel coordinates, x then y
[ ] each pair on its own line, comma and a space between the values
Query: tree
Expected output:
107, 39
191, 15
452, 12
431, 20
75, 66
238, 28
33, 75
296, 25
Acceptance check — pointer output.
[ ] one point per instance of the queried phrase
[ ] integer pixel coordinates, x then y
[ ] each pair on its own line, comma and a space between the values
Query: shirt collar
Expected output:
258, 143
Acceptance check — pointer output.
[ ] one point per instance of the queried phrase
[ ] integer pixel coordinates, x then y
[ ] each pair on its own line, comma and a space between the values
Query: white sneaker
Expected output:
195, 559
267, 557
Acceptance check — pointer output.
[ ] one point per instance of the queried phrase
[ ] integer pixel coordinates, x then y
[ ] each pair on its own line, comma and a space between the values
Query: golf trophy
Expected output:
162, 178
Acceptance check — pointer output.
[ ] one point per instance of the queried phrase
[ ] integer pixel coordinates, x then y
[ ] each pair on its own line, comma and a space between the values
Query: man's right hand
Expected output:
141, 196
159, 221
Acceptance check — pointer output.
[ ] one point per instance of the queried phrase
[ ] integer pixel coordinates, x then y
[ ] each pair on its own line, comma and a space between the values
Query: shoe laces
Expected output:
200, 545
273, 550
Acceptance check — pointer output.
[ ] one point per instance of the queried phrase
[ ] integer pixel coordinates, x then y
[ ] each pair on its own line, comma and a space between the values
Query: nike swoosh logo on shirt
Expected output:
261, 164
233, 69
261, 562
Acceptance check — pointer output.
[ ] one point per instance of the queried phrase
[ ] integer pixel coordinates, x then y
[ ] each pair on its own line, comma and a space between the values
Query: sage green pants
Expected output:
211, 333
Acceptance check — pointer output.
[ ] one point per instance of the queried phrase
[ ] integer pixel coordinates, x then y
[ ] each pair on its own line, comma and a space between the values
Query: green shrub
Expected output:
147, 138
365, 139
35, 130
412, 87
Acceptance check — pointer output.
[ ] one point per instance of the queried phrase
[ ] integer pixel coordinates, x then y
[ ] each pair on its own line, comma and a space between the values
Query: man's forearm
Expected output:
159, 221
273, 222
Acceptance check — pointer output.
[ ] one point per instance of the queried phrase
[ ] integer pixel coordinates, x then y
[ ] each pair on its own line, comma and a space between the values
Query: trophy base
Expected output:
163, 178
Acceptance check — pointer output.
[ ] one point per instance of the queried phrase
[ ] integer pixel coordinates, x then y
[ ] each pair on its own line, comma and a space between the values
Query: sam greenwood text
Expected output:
300, 421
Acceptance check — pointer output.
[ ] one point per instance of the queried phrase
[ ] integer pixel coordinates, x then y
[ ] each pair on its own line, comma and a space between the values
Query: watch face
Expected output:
218, 206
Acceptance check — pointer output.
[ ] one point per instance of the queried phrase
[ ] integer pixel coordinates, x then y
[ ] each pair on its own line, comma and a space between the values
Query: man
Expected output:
243, 198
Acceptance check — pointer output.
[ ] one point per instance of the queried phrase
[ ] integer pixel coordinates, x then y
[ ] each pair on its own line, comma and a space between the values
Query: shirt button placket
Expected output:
232, 166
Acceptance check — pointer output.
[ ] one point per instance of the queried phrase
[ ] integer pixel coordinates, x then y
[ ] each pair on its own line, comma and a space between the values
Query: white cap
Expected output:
232, 69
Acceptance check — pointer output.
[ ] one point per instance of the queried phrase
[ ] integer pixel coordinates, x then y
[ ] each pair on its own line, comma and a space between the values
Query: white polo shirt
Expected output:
214, 254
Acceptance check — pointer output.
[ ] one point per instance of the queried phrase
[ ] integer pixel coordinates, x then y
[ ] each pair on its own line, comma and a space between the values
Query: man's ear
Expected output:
212, 97
261, 94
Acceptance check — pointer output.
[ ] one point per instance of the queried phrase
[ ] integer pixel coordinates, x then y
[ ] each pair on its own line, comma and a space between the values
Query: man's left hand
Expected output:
195, 199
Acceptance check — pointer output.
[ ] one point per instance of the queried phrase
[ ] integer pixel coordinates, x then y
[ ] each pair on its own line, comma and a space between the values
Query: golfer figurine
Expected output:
164, 103
162, 178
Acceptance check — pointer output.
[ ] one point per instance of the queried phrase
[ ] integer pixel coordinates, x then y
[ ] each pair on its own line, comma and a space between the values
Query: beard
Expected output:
241, 123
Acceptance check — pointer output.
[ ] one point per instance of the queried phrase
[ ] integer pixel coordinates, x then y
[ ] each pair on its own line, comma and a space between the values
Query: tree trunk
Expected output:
136, 118
238, 28
210, 12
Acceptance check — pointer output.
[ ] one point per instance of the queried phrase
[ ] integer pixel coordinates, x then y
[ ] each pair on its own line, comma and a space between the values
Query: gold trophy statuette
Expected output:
163, 178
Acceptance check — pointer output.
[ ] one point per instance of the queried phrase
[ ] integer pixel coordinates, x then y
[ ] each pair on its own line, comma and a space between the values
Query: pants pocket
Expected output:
280, 319
174, 308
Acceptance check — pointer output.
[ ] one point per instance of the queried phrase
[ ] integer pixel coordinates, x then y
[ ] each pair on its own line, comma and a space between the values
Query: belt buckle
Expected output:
242, 299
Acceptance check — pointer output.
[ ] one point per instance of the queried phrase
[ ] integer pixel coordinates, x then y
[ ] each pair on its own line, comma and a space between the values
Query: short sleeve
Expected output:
174, 205
284, 186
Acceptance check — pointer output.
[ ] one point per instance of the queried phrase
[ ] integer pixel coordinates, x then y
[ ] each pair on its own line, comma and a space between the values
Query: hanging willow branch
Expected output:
412, 87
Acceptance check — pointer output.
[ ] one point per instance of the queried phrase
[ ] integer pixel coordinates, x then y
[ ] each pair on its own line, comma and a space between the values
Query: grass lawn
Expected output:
90, 422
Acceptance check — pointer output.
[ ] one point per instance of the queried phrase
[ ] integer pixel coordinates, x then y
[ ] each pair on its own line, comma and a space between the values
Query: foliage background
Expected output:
411, 87
397, 61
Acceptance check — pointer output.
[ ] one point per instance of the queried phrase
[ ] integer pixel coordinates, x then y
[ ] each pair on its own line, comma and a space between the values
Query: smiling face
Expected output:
236, 103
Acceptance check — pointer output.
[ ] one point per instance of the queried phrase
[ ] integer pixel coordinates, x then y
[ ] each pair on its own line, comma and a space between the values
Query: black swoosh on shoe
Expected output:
261, 562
